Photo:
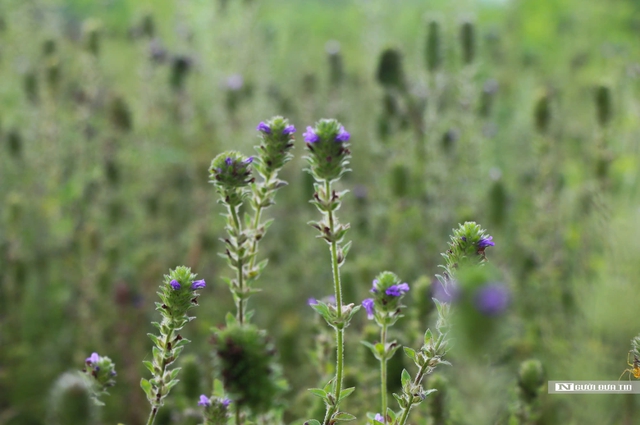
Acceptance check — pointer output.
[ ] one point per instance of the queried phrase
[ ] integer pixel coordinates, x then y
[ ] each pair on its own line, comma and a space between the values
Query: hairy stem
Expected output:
338, 294
155, 406
383, 371
236, 222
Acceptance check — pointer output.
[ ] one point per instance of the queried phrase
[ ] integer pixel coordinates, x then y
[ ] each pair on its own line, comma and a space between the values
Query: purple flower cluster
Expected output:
205, 401
310, 135
263, 127
197, 284
397, 290
93, 359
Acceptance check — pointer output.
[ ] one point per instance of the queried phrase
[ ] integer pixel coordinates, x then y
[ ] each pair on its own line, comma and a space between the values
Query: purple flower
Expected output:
289, 129
312, 301
343, 135
264, 128
485, 242
248, 160
198, 284
93, 359
175, 284
368, 305
378, 417
492, 299
204, 401
228, 161
226, 402
310, 136
397, 290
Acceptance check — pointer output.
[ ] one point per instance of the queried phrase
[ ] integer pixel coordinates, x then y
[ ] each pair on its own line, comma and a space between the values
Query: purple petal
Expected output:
204, 401
312, 301
175, 285
397, 290
226, 402
289, 129
198, 284
248, 160
264, 128
368, 306
228, 161
485, 242
378, 417
310, 136
94, 358
343, 135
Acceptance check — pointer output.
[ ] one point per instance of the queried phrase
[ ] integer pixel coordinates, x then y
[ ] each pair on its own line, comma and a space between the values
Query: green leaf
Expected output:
428, 336
318, 392
346, 393
146, 387
149, 366
329, 387
174, 373
312, 422
405, 378
410, 352
391, 414
230, 319
343, 417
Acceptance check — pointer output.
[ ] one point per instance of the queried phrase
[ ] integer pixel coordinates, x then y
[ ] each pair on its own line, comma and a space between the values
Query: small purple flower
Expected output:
226, 402
312, 301
175, 285
228, 161
485, 242
93, 359
397, 290
198, 284
492, 299
248, 160
264, 128
368, 305
204, 401
310, 136
343, 135
378, 417
288, 130
374, 286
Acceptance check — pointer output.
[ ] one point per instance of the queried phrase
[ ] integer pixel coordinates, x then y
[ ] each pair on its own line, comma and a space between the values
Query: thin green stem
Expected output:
155, 405
416, 381
256, 223
383, 371
236, 222
338, 295
237, 414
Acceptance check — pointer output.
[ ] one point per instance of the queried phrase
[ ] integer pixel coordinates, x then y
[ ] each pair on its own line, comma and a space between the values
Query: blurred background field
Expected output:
111, 111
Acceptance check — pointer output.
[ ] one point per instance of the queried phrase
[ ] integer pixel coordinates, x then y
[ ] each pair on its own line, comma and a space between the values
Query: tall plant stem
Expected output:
383, 370
236, 222
256, 223
155, 407
338, 294
419, 376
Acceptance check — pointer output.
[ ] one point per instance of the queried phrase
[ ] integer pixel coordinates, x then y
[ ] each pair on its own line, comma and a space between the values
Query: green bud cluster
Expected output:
216, 412
178, 294
101, 372
328, 148
387, 308
334, 318
465, 248
275, 148
247, 360
230, 172
531, 383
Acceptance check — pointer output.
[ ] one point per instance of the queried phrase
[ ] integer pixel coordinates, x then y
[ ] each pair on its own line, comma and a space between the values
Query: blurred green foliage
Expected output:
112, 111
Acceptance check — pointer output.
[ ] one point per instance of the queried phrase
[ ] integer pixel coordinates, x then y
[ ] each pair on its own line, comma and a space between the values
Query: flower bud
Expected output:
530, 378
433, 51
468, 42
231, 174
603, 105
275, 147
390, 73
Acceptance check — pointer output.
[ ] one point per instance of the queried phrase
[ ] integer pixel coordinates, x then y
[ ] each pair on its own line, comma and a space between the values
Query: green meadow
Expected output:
522, 115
